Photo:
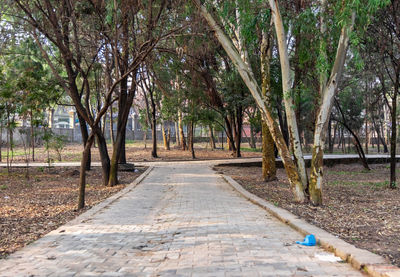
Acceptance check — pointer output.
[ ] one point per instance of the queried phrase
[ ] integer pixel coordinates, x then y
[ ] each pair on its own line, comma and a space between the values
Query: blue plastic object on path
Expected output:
309, 240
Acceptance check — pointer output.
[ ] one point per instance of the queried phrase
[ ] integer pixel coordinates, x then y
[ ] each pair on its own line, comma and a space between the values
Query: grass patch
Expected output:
352, 173
248, 149
346, 183
3, 187
381, 184
16, 153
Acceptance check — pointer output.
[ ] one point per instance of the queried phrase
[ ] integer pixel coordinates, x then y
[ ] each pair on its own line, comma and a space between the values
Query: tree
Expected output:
296, 173
382, 49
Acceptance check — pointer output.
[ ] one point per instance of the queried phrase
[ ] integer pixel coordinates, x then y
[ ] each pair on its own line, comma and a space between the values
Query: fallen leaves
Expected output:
357, 207
31, 208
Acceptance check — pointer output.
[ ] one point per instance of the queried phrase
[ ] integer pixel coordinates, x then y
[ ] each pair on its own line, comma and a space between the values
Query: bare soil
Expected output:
30, 208
358, 205
134, 153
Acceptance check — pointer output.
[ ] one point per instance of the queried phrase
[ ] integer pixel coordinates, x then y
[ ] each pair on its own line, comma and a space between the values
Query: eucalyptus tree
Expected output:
344, 13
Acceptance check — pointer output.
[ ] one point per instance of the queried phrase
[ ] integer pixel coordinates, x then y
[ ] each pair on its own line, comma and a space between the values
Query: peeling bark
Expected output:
321, 125
268, 151
250, 81
294, 136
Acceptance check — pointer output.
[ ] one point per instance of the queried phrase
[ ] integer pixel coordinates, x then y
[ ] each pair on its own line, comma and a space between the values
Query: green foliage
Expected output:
58, 143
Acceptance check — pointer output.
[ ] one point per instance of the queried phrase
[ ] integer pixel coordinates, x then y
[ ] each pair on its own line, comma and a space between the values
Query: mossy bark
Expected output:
268, 153
249, 79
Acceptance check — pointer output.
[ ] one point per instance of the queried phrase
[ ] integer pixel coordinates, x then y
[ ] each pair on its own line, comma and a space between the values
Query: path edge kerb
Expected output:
363, 260
107, 202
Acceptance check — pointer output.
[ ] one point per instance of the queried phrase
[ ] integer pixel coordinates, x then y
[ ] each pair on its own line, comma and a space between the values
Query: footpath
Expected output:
182, 220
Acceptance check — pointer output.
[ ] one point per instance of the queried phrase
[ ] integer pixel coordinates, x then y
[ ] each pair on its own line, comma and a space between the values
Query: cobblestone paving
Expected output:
180, 221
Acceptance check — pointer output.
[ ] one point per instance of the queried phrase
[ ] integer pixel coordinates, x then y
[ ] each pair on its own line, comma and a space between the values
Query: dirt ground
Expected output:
30, 208
134, 152
358, 205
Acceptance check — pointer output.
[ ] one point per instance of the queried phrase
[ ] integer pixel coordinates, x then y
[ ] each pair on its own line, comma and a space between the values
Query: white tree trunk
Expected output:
294, 136
251, 83
324, 113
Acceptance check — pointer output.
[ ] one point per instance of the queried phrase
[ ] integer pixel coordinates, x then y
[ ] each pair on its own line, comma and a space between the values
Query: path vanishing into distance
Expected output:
183, 219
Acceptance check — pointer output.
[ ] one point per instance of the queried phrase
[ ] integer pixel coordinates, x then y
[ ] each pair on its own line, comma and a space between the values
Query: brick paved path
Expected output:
180, 221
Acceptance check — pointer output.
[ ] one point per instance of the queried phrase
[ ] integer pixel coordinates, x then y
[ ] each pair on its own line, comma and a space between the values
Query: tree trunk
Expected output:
122, 155
212, 139
85, 136
330, 145
288, 101
268, 151
145, 139
366, 119
164, 135
393, 140
356, 140
32, 136
82, 175
282, 123
104, 157
229, 134
333, 139
315, 186
191, 139
154, 136
250, 81
177, 140
238, 130
1, 140
252, 140
382, 139
119, 145
112, 137
181, 132
169, 138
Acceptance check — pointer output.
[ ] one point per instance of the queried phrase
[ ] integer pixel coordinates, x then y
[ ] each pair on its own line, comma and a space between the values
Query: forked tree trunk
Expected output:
250, 81
268, 152
321, 125
119, 145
